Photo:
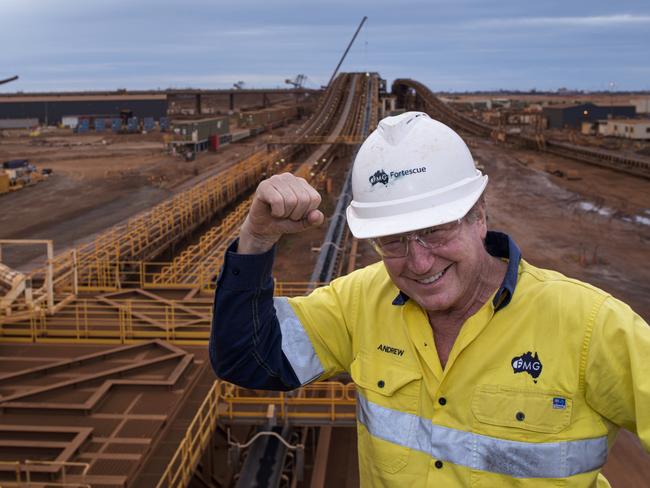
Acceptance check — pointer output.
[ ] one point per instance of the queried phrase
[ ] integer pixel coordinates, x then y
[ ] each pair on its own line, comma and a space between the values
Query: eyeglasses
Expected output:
397, 246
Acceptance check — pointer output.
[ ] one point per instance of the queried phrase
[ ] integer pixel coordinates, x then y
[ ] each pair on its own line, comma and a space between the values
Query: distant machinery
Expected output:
13, 78
336, 70
298, 82
239, 85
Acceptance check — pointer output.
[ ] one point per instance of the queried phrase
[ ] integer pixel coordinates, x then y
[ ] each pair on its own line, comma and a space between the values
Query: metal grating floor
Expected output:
103, 406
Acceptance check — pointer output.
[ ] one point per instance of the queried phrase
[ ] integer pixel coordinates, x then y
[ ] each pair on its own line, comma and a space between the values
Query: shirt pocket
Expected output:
544, 412
387, 405
517, 414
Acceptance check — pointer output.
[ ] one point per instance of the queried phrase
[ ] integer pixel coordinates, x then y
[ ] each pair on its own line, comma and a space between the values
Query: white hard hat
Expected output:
412, 172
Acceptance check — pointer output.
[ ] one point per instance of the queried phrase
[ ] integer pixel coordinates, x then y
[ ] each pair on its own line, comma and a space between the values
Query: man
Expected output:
473, 367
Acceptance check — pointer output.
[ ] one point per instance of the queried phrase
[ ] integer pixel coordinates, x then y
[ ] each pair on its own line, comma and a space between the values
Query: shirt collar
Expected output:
499, 245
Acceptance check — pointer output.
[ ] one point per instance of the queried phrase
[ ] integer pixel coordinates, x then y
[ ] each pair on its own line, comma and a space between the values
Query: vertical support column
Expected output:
232, 101
199, 109
75, 274
49, 280
319, 473
29, 296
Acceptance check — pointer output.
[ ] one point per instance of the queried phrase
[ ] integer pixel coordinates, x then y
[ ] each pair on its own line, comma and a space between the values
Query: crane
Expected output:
298, 82
13, 78
336, 70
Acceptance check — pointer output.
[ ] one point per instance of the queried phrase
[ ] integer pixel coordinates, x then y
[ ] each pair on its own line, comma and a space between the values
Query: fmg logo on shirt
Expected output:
527, 363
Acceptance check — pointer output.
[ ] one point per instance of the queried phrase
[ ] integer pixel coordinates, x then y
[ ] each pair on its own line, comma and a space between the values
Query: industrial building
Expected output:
638, 129
564, 116
20, 110
50, 109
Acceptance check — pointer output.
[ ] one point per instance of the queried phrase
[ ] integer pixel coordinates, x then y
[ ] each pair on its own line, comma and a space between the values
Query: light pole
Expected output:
612, 85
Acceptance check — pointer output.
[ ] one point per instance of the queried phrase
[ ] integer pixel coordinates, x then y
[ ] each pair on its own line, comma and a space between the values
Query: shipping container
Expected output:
200, 130
214, 142
70, 121
116, 125
15, 163
83, 126
132, 125
149, 124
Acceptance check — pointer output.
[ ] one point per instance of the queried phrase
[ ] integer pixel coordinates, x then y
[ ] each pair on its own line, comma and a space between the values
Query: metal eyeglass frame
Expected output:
415, 236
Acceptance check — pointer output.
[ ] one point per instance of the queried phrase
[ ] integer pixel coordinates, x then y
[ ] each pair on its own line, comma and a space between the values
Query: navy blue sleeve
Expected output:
245, 340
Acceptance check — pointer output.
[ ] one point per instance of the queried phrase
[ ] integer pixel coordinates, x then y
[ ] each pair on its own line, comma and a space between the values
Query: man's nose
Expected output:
420, 259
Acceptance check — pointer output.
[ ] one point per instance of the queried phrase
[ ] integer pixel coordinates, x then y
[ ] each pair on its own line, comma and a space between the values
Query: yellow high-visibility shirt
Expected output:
533, 393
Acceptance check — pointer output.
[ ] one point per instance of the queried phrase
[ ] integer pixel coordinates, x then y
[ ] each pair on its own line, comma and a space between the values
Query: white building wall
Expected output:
605, 128
642, 105
637, 131
642, 131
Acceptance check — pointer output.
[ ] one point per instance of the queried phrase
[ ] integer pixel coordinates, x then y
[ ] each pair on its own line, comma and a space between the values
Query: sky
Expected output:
462, 45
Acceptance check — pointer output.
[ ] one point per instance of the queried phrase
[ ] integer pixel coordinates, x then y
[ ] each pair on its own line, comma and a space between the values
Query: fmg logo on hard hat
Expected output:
380, 176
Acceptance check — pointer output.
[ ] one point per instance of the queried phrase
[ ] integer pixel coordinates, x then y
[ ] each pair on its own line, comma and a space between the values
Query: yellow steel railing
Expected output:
125, 320
326, 401
180, 468
191, 265
95, 266
24, 470
147, 234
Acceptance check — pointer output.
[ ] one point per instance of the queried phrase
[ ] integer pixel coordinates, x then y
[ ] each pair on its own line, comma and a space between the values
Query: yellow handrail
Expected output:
324, 401
26, 466
187, 455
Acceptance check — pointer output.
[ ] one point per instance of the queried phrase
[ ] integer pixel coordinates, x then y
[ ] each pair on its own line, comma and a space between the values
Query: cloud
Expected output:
464, 44
587, 21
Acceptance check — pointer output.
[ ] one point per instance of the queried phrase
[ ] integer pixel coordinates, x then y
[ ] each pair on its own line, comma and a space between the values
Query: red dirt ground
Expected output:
98, 181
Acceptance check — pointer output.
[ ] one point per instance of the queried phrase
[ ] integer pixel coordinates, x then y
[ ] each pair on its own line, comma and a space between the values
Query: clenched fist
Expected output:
283, 204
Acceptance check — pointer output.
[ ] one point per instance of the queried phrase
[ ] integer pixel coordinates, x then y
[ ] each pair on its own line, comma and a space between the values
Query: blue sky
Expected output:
452, 46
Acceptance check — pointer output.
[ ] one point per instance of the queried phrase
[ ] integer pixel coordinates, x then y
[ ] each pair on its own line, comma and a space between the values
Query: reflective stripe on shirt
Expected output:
475, 451
296, 345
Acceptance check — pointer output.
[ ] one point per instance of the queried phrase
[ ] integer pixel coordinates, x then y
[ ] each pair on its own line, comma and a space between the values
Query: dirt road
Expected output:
98, 181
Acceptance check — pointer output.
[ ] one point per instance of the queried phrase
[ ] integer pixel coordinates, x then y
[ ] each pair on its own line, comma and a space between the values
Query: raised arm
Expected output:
283, 204
256, 341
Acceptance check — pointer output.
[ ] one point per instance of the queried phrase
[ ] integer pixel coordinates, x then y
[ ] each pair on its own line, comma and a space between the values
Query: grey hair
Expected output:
478, 210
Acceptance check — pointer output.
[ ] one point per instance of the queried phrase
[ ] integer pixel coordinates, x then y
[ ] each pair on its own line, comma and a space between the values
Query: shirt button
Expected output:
438, 464
442, 401
381, 383
520, 416
235, 271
